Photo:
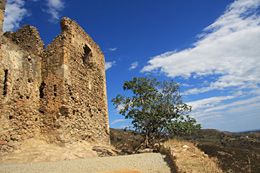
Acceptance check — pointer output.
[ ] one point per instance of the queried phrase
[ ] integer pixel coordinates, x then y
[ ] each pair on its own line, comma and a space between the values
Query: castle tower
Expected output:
73, 88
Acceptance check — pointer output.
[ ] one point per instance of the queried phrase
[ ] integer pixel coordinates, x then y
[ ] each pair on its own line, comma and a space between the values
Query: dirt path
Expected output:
148, 162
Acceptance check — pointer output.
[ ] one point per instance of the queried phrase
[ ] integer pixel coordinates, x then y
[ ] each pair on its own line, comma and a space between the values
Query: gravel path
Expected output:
148, 162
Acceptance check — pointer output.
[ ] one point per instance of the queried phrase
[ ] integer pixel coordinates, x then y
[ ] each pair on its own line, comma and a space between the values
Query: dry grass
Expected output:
190, 159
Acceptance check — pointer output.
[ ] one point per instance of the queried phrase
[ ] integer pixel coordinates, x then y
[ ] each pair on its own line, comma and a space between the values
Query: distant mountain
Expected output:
213, 132
249, 131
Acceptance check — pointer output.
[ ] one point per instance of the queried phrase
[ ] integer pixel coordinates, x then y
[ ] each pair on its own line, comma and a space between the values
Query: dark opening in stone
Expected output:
55, 90
30, 80
5, 83
41, 89
87, 54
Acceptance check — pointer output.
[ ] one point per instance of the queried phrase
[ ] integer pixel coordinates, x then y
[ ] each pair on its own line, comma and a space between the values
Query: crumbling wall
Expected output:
28, 39
57, 94
20, 76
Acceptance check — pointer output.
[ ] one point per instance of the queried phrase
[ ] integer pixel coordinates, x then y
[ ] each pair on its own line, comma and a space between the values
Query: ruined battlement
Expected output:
28, 38
57, 94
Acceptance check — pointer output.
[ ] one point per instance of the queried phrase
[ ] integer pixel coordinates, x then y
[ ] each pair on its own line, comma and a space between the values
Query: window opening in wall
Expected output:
5, 83
41, 89
55, 90
10, 117
87, 54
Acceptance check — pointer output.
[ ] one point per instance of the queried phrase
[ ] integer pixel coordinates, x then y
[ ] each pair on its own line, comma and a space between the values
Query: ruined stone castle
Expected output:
57, 93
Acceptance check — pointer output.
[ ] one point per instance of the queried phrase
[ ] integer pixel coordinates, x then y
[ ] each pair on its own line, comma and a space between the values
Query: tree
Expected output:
156, 109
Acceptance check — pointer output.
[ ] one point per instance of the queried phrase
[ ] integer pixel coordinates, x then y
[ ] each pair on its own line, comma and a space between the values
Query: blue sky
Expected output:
211, 48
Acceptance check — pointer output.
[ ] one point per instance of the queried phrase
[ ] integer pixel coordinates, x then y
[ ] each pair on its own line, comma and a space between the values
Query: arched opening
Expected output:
87, 54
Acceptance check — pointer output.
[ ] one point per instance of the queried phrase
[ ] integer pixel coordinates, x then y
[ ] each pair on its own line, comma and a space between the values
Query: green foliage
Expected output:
156, 108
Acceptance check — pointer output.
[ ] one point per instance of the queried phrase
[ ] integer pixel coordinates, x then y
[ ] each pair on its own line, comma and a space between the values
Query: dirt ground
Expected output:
38, 156
147, 162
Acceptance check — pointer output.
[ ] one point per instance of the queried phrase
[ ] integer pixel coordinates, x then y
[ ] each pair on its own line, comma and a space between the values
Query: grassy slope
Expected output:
237, 152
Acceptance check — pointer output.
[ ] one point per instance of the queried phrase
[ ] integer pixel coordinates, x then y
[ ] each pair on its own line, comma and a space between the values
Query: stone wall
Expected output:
74, 100
57, 94
20, 76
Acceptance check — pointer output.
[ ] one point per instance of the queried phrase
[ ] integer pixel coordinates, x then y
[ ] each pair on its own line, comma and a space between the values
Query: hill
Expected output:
236, 152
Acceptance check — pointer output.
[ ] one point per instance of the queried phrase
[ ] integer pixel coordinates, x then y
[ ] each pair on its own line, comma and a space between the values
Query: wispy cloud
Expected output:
14, 14
208, 102
221, 113
108, 65
54, 7
112, 49
228, 48
236, 104
186, 85
133, 65
118, 121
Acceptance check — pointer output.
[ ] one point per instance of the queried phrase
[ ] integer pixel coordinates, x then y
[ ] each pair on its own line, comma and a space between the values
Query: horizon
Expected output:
210, 48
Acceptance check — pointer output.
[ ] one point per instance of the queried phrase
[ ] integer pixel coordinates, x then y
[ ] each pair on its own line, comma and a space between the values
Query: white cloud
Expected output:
54, 8
14, 14
208, 102
228, 48
112, 49
236, 104
186, 85
224, 108
133, 65
118, 121
250, 106
236, 116
109, 64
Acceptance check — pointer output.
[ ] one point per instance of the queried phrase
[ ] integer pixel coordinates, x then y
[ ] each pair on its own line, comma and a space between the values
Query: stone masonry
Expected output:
57, 94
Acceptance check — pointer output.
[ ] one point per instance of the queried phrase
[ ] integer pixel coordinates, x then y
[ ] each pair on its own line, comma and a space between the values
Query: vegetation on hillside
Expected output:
235, 152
